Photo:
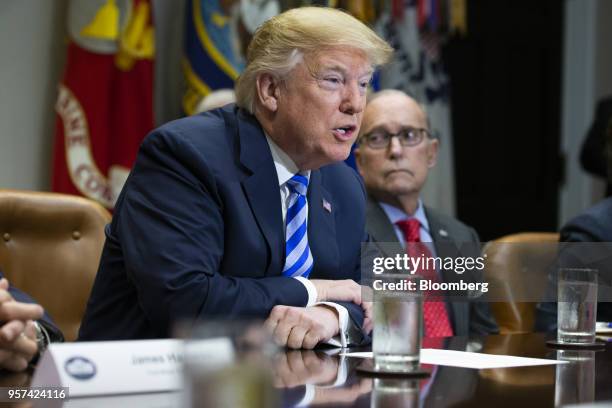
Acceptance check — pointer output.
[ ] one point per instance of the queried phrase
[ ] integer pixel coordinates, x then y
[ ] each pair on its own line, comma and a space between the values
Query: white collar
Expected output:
395, 214
285, 167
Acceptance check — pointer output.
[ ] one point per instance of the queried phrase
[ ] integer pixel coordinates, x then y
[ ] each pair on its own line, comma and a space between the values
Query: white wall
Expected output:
31, 59
587, 76
169, 84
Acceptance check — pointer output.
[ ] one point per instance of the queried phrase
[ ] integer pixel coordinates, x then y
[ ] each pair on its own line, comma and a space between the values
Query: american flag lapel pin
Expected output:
327, 206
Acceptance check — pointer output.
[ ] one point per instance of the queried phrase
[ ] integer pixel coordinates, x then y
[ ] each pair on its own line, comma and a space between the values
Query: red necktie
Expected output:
435, 316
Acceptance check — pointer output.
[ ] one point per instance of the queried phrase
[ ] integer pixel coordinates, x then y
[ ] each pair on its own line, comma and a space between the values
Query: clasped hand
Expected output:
17, 334
305, 327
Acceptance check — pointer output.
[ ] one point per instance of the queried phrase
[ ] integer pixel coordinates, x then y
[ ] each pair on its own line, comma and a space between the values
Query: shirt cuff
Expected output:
309, 394
343, 318
310, 288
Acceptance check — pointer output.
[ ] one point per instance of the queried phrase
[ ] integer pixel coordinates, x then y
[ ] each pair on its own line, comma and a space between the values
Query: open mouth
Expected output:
345, 132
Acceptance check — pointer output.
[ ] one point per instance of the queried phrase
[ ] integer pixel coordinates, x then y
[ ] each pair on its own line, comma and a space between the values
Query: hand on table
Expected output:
302, 327
337, 290
17, 333
346, 290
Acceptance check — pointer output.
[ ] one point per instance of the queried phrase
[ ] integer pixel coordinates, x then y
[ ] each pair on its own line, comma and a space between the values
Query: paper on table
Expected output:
470, 360
603, 327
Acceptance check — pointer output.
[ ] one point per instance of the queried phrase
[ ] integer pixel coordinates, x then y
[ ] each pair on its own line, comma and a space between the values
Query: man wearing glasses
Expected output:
395, 152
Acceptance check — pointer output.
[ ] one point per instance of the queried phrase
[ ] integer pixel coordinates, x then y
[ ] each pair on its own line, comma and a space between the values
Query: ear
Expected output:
432, 152
358, 159
268, 91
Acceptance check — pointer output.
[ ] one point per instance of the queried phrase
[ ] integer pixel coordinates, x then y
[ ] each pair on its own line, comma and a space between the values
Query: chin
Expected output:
337, 155
399, 189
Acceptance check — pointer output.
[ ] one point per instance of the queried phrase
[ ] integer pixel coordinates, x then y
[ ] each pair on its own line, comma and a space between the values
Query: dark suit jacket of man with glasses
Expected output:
394, 156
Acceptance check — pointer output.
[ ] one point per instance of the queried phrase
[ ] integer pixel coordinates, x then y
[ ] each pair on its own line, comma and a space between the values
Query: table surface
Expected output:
587, 378
327, 379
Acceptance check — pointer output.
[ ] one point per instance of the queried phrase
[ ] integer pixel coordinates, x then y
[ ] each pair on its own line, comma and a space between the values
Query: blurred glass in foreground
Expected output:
228, 364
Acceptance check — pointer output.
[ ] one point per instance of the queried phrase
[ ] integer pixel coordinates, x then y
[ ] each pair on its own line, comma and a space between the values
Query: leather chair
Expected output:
50, 246
517, 265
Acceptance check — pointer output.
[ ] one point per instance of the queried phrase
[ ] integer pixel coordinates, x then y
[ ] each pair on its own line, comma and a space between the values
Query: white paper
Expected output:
466, 359
603, 328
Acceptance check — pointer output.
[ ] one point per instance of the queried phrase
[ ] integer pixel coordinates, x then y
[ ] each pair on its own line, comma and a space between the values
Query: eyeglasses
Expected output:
408, 136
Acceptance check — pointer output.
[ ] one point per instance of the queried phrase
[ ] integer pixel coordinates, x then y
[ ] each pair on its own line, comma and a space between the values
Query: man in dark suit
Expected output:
595, 153
394, 156
592, 226
25, 329
241, 212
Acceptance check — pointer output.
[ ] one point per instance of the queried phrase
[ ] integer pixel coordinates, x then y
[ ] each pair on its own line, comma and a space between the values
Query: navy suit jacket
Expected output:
198, 233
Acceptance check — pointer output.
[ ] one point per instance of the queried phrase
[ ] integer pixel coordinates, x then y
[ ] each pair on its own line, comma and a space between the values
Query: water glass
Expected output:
398, 324
577, 306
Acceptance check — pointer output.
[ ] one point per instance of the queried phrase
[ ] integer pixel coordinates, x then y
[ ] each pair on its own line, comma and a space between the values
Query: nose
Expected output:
395, 148
353, 99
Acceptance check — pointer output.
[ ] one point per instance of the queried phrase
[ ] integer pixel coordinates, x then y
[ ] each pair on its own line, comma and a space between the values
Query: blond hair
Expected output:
282, 41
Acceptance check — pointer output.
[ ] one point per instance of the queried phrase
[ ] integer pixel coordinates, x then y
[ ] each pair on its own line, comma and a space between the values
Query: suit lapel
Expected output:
439, 234
261, 188
447, 247
381, 229
321, 227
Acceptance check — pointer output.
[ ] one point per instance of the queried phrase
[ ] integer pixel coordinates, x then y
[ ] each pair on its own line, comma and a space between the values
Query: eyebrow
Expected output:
342, 69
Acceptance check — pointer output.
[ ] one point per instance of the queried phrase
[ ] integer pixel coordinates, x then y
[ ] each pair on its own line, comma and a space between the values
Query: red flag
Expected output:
105, 101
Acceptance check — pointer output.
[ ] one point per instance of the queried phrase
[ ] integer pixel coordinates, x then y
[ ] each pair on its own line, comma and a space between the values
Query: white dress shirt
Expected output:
285, 169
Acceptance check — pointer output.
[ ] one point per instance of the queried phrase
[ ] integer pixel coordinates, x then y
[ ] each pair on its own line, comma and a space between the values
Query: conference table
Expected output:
587, 377
326, 378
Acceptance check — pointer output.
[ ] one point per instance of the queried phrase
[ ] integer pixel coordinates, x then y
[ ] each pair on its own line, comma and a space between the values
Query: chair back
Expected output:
512, 262
50, 247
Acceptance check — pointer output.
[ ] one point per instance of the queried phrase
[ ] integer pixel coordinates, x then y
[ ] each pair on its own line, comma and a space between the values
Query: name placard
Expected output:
124, 367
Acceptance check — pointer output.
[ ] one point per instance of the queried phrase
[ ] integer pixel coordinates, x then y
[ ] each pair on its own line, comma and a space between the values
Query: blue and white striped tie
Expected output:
298, 261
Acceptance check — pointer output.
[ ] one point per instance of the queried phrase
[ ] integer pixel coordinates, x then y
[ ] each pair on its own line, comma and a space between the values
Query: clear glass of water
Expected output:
577, 305
398, 323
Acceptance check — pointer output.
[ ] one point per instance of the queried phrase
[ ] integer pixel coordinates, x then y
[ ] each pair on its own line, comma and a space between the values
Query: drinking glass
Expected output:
577, 306
398, 323
228, 364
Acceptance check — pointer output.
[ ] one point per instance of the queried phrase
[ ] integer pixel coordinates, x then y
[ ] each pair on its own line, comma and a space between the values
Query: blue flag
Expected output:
212, 60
